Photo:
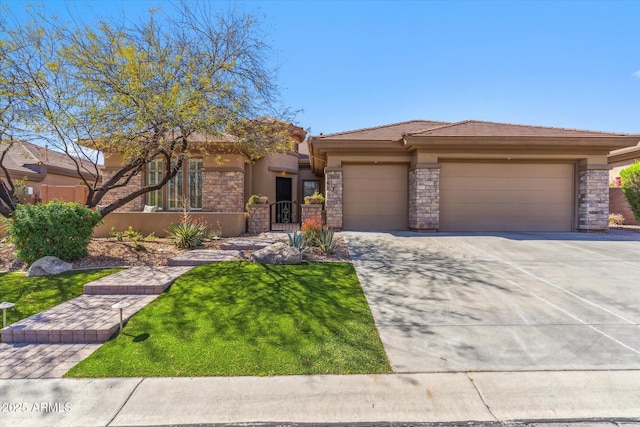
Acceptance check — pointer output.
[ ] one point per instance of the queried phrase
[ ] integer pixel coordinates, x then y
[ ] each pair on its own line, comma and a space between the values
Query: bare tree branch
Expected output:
134, 92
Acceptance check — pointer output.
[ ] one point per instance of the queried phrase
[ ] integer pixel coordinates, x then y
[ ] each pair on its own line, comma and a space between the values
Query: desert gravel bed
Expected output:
107, 252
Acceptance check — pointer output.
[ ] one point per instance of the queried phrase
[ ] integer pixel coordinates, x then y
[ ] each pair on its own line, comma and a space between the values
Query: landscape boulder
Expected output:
279, 253
47, 266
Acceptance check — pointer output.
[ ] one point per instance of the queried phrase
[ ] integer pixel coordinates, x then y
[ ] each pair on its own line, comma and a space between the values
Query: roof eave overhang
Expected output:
629, 153
56, 170
520, 143
318, 149
30, 176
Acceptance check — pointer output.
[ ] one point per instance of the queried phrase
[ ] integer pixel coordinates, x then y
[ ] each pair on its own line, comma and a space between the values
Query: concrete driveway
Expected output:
503, 301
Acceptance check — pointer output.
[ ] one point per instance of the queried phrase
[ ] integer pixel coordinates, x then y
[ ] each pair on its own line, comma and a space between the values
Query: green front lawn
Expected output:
241, 318
32, 295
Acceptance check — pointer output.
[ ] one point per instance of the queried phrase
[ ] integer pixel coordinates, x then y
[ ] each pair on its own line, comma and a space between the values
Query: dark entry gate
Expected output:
284, 216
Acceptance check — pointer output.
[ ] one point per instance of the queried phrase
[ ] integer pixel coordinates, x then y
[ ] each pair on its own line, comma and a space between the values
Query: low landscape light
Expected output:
4, 306
120, 306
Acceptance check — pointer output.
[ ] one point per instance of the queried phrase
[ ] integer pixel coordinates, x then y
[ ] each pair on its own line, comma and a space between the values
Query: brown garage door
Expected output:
506, 197
375, 197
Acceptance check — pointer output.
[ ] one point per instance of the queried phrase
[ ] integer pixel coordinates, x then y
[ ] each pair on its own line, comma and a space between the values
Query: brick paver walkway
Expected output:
135, 281
41, 360
86, 319
203, 256
50, 343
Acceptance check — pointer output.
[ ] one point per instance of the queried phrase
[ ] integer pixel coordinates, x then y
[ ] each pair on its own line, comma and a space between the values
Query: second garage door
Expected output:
375, 197
506, 197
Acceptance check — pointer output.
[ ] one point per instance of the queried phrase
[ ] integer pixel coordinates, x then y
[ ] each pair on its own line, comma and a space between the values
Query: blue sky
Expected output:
355, 64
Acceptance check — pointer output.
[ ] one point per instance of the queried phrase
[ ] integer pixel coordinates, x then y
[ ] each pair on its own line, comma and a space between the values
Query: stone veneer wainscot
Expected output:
593, 199
424, 198
333, 200
222, 191
136, 183
258, 218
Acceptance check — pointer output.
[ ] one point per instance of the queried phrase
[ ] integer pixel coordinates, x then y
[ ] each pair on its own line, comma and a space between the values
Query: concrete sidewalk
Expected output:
487, 397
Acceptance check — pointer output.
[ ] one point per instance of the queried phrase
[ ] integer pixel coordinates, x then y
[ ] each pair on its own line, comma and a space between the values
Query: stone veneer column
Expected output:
312, 212
333, 199
258, 218
593, 199
424, 198
223, 191
136, 183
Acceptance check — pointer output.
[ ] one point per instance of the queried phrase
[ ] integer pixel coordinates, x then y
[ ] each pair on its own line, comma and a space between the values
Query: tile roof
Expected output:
393, 132
481, 128
17, 157
24, 154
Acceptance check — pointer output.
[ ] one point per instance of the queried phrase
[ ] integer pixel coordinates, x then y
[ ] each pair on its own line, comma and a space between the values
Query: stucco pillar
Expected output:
424, 197
593, 198
333, 199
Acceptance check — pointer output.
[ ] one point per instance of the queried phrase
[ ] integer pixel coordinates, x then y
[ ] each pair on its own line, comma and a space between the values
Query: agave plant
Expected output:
297, 241
325, 241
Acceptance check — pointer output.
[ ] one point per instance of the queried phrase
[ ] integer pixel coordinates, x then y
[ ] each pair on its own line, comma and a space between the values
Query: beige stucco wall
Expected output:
233, 224
261, 175
620, 159
616, 168
68, 193
303, 148
50, 179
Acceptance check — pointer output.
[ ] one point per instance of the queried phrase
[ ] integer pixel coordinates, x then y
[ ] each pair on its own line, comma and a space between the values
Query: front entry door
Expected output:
284, 211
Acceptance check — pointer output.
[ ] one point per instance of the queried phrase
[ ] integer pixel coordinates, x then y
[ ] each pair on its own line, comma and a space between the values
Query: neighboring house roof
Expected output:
391, 132
34, 161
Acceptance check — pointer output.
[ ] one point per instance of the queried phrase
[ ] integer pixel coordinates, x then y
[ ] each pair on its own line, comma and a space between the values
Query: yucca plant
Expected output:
188, 235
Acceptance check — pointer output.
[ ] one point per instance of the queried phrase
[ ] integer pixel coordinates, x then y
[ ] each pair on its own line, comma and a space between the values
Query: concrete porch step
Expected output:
136, 281
203, 256
86, 319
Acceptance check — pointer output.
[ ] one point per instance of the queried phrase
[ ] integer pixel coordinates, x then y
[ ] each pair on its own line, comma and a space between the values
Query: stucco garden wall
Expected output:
232, 224
618, 205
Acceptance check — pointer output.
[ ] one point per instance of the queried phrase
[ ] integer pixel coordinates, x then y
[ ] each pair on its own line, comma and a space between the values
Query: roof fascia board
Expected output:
605, 143
630, 153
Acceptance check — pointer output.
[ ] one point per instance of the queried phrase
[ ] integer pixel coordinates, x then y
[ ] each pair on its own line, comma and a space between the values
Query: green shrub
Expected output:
132, 235
631, 187
315, 198
56, 229
188, 234
256, 199
128, 234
